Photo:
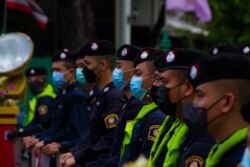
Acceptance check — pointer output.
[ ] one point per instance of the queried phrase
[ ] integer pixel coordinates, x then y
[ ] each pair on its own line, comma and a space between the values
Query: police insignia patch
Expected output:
42, 109
111, 121
153, 132
194, 161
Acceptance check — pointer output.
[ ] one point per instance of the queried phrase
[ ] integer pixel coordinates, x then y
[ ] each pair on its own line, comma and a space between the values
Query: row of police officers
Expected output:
179, 108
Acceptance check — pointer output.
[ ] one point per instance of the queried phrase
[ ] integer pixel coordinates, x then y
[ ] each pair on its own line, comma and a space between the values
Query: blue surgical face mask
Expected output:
245, 162
80, 77
136, 87
58, 79
117, 78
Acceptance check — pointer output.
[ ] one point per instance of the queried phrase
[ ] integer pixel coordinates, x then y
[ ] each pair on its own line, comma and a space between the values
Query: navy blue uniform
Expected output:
195, 149
104, 112
234, 156
129, 112
142, 140
65, 146
43, 116
71, 117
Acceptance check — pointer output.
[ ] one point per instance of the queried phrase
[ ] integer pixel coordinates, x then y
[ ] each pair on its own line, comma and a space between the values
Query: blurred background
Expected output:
155, 23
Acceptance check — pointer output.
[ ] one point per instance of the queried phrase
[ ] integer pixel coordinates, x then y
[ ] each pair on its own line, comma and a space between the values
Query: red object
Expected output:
6, 147
30, 7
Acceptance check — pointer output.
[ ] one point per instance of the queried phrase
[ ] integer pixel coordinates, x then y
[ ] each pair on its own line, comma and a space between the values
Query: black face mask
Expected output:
153, 91
36, 87
89, 75
245, 112
196, 117
163, 101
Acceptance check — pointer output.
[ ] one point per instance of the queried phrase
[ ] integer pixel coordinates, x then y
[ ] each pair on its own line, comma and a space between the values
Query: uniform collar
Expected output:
94, 91
108, 87
70, 87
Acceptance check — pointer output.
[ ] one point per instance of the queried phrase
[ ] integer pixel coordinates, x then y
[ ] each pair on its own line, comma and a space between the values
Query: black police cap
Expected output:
146, 54
35, 71
224, 66
65, 56
127, 52
180, 58
157, 62
97, 48
224, 48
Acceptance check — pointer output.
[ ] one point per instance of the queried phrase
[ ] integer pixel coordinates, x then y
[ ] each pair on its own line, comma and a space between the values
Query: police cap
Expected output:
97, 48
224, 66
157, 62
127, 52
35, 71
65, 56
147, 54
180, 58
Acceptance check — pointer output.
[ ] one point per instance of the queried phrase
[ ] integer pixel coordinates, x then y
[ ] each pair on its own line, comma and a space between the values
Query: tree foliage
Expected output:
231, 22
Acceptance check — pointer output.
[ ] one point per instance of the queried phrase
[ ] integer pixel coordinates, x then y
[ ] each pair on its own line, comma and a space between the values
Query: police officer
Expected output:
178, 146
104, 109
245, 50
141, 132
122, 74
221, 83
41, 104
71, 117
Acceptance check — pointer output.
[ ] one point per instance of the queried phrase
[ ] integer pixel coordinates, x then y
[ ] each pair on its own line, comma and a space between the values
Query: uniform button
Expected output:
64, 92
140, 139
97, 103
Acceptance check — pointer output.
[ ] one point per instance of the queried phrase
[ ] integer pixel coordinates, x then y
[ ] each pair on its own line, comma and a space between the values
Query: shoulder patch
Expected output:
238, 165
111, 121
42, 109
153, 132
194, 161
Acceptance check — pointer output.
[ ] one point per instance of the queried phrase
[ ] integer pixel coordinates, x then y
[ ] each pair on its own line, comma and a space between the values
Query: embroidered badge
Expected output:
32, 71
124, 52
215, 51
94, 46
111, 121
170, 57
153, 132
62, 55
144, 55
194, 161
246, 50
194, 71
42, 109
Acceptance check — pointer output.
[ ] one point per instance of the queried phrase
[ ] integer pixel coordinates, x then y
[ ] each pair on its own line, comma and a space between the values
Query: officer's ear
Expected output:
189, 88
103, 64
229, 102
